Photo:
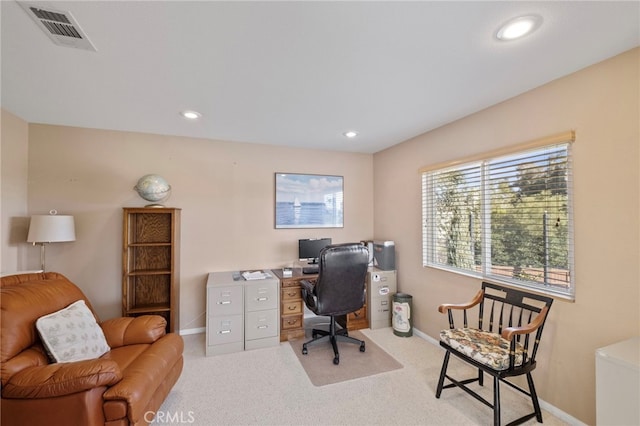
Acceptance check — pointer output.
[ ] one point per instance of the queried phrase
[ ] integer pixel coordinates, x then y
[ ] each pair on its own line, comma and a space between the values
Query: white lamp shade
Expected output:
51, 229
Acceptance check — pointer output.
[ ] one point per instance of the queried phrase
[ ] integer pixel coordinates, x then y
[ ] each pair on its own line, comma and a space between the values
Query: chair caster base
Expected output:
333, 336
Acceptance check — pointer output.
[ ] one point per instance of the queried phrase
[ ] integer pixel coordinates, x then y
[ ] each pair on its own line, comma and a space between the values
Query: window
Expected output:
506, 217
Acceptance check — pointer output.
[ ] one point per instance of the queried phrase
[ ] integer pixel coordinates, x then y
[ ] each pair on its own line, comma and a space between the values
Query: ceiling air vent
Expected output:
59, 26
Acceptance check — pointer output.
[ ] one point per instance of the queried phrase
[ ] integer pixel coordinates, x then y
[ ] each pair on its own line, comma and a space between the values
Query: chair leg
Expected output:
443, 372
496, 401
333, 335
534, 398
336, 354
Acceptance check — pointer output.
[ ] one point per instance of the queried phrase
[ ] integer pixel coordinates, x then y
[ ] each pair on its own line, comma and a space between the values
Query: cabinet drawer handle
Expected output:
292, 321
263, 326
292, 308
225, 302
291, 293
262, 299
224, 331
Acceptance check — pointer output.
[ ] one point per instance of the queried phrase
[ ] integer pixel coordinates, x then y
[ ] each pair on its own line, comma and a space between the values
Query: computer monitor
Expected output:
309, 248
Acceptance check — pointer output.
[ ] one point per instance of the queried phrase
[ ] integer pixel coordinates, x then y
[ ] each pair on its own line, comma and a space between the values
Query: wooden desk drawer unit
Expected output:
290, 324
354, 320
358, 319
291, 304
292, 307
293, 293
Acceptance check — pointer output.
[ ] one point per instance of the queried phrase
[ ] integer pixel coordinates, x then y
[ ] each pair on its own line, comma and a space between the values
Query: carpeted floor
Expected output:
318, 362
270, 387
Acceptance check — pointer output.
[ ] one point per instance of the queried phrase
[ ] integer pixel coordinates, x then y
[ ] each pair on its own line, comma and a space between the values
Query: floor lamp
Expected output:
51, 228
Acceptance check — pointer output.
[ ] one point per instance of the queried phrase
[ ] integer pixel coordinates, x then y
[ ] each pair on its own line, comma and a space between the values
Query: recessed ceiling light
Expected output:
350, 134
191, 115
518, 27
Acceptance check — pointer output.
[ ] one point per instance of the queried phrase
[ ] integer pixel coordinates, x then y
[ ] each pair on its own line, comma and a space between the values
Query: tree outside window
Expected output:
505, 218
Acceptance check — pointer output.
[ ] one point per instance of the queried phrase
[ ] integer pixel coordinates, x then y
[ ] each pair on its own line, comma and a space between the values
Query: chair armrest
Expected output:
308, 285
509, 332
62, 378
133, 330
308, 293
447, 306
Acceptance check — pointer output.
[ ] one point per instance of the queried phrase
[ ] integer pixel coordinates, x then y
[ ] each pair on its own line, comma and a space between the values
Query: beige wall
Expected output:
601, 104
225, 190
14, 135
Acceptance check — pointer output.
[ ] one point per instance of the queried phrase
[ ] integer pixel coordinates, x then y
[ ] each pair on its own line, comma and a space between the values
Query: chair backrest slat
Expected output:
528, 304
493, 304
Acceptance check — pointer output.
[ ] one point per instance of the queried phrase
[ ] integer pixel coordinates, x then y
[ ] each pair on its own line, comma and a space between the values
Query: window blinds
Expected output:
507, 218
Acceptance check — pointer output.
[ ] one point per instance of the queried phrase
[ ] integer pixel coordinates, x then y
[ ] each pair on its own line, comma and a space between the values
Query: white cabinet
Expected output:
618, 383
261, 318
241, 315
381, 285
225, 329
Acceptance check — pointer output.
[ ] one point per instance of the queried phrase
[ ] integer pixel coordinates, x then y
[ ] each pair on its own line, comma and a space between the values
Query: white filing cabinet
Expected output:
618, 383
261, 315
381, 285
241, 315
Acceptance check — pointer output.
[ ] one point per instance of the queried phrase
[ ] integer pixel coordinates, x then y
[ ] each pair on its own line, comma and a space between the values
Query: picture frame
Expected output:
308, 201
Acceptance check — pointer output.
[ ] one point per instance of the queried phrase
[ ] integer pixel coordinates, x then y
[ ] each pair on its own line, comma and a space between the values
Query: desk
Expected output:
292, 307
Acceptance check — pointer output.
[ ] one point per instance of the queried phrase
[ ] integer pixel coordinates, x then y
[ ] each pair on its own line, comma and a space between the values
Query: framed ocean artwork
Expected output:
309, 201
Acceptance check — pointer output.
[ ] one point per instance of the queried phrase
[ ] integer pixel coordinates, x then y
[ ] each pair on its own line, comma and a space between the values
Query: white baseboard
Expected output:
543, 404
425, 337
187, 331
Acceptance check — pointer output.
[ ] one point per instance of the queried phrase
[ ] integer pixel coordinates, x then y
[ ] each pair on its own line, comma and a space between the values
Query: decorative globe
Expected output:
153, 188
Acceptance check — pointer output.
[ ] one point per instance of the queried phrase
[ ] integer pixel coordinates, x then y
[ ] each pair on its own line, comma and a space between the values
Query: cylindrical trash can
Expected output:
402, 322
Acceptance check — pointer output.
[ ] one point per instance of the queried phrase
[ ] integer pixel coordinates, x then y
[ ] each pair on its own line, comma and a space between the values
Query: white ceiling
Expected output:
296, 73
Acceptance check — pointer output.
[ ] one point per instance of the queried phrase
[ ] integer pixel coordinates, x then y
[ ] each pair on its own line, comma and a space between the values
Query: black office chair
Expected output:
339, 290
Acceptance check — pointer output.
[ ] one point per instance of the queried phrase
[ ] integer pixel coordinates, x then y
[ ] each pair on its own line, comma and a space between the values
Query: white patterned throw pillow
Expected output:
72, 334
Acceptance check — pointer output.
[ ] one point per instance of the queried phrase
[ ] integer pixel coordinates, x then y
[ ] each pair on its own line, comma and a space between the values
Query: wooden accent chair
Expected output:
504, 344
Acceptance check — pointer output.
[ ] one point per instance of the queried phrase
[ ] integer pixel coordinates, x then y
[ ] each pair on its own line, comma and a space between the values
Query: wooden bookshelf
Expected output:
151, 263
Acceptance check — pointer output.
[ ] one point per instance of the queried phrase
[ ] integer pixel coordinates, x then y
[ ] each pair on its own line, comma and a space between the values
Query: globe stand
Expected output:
157, 204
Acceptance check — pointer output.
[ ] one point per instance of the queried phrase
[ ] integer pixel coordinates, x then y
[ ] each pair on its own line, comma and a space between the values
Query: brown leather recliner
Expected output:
125, 386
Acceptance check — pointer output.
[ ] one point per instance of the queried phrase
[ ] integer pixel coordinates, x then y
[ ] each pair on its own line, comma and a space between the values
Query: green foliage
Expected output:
455, 208
529, 220
517, 229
